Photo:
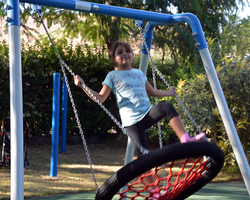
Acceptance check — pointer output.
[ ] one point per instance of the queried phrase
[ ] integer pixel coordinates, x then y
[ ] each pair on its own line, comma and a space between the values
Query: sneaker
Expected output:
156, 195
186, 138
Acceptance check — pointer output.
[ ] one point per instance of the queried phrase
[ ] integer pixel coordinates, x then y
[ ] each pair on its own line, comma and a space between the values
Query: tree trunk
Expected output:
112, 38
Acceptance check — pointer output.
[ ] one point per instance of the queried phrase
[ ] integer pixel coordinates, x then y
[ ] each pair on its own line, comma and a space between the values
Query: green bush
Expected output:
39, 62
230, 54
198, 98
4, 81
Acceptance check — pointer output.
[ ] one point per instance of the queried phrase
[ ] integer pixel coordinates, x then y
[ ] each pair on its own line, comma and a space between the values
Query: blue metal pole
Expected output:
64, 116
55, 124
148, 35
16, 100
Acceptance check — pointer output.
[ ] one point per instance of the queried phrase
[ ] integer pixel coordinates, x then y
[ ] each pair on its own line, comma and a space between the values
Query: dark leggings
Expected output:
156, 113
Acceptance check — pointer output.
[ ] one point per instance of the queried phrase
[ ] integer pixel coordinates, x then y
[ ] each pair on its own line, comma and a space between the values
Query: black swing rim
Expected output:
161, 156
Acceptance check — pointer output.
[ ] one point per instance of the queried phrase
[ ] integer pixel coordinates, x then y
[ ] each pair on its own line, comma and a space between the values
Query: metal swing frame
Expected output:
16, 97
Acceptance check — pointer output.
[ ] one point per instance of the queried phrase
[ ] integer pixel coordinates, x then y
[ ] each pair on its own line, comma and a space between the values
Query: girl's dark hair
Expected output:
118, 43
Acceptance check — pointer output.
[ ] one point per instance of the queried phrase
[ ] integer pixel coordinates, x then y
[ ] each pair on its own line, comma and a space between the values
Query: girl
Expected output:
131, 89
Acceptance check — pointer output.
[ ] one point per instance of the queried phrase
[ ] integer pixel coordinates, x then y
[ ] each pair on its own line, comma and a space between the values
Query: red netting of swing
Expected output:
186, 173
181, 175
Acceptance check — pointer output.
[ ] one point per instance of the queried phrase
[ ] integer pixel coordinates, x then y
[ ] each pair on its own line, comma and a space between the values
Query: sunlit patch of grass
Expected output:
73, 170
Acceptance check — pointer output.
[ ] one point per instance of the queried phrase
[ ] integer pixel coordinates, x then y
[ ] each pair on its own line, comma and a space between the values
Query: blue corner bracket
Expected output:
13, 17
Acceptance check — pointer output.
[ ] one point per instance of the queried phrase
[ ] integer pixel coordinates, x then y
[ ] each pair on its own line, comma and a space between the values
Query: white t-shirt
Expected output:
131, 96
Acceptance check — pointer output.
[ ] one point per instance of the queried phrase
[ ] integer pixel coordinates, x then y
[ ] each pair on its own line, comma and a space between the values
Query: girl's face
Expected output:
123, 57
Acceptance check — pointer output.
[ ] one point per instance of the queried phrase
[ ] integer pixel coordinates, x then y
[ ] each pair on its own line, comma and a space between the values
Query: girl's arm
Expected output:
101, 96
159, 93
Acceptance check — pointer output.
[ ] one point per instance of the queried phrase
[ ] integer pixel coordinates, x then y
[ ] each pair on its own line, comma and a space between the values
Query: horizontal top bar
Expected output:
157, 18
103, 9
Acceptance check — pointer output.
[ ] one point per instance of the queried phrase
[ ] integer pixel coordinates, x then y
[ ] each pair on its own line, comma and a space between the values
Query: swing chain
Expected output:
63, 64
159, 127
165, 81
27, 10
155, 86
156, 103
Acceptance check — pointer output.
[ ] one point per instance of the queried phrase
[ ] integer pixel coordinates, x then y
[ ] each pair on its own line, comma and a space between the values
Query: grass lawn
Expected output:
74, 174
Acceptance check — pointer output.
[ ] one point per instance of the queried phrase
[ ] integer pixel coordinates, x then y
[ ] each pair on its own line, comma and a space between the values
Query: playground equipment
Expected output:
156, 19
55, 122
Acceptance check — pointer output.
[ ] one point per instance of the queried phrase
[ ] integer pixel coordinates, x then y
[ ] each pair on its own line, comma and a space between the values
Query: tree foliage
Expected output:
174, 40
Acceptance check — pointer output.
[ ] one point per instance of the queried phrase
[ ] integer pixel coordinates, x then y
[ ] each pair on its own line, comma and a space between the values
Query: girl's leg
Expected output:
148, 180
166, 109
137, 131
177, 126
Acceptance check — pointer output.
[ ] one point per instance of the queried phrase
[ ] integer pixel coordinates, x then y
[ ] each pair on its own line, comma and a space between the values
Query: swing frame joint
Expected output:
138, 23
36, 8
7, 7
